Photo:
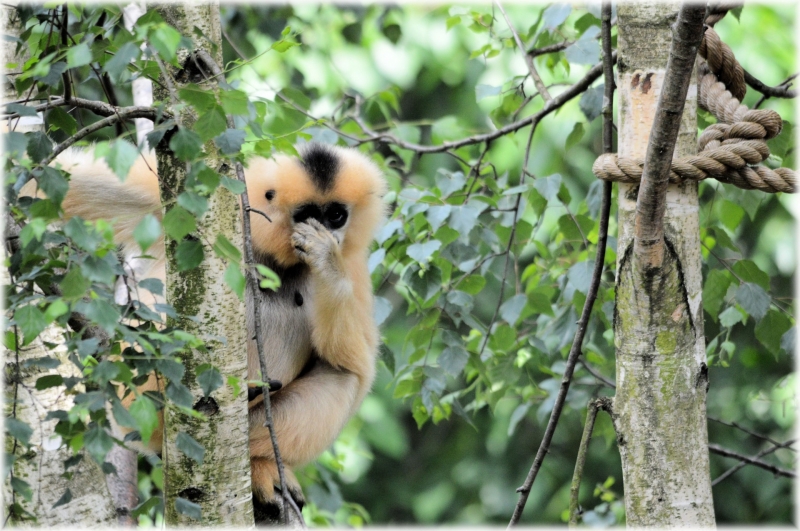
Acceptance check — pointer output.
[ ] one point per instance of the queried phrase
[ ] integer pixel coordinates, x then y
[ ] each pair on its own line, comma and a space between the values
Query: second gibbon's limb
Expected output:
318, 329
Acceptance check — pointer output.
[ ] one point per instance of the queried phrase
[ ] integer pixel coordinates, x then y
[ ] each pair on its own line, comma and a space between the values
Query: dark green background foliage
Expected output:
472, 244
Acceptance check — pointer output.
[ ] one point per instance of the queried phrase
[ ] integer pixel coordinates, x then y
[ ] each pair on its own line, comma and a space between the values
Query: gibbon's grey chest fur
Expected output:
285, 326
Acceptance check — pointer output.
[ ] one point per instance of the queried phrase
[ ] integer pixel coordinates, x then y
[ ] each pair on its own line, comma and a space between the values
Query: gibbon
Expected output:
319, 334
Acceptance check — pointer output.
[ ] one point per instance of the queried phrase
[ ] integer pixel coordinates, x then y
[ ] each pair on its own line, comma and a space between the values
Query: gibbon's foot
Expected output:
256, 390
315, 245
267, 482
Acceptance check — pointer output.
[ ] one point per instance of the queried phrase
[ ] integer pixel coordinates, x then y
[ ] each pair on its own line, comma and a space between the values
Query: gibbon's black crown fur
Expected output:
321, 163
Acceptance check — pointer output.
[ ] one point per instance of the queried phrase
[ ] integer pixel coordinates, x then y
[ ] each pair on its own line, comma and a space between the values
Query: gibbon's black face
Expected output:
339, 188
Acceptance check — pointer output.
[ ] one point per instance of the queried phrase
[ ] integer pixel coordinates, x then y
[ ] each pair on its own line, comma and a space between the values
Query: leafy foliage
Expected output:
480, 272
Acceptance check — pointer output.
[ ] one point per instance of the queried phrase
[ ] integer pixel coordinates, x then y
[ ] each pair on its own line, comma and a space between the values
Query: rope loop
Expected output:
730, 150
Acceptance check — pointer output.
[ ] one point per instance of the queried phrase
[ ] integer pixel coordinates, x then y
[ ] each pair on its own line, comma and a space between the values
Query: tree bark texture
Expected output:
42, 464
221, 484
662, 379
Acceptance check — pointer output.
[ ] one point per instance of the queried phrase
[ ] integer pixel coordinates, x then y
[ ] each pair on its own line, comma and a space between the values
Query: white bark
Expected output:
659, 408
221, 485
142, 87
42, 465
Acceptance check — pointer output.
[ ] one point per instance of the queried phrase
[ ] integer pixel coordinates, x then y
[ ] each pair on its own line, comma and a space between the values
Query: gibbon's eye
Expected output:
335, 215
270, 195
307, 211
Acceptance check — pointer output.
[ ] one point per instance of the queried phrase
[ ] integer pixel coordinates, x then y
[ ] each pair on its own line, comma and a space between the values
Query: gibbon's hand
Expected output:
316, 246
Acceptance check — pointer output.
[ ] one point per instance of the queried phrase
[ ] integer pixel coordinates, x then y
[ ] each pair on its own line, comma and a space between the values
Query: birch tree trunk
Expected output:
88, 503
662, 378
221, 484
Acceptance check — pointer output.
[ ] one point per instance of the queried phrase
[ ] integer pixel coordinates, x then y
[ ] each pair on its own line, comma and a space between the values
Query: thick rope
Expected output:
729, 150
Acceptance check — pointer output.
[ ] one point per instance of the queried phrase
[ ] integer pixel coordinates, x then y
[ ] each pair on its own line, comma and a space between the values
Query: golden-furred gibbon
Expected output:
318, 330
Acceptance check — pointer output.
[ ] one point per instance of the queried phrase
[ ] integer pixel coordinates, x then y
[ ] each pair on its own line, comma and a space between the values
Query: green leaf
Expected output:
226, 250
748, 271
270, 279
121, 157
573, 138
119, 63
23, 110
555, 15
58, 118
234, 102
210, 124
179, 394
210, 380
74, 284
19, 430
730, 214
230, 142
753, 299
421, 252
548, 186
79, 55
714, 290
586, 50
102, 312
15, 144
48, 381
53, 183
165, 40
193, 202
147, 232
97, 442
190, 447
187, 508
186, 144
283, 45
484, 91
512, 308
178, 222
770, 330
472, 284
189, 254
199, 98
235, 280
143, 410
31, 321
503, 338
39, 146
591, 103
453, 359
730, 317
22, 488
235, 186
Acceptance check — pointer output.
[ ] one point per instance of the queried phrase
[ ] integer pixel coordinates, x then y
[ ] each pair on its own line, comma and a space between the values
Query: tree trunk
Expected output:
221, 484
662, 378
41, 464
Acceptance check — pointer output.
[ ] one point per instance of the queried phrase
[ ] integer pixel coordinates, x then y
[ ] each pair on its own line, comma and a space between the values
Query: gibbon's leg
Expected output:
308, 415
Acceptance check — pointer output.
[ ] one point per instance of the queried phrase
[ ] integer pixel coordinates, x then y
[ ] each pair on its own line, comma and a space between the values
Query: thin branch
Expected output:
780, 91
748, 431
537, 80
731, 471
591, 370
755, 461
591, 295
64, 37
252, 288
98, 107
553, 105
122, 114
651, 201
591, 414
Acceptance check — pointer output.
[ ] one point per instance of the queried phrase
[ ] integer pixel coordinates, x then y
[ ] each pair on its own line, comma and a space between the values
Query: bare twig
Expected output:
122, 114
780, 91
597, 375
651, 201
591, 295
749, 432
252, 288
98, 107
755, 461
595, 405
537, 80
731, 471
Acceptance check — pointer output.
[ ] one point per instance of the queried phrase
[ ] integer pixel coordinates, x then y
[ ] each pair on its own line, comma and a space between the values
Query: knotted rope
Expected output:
728, 150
